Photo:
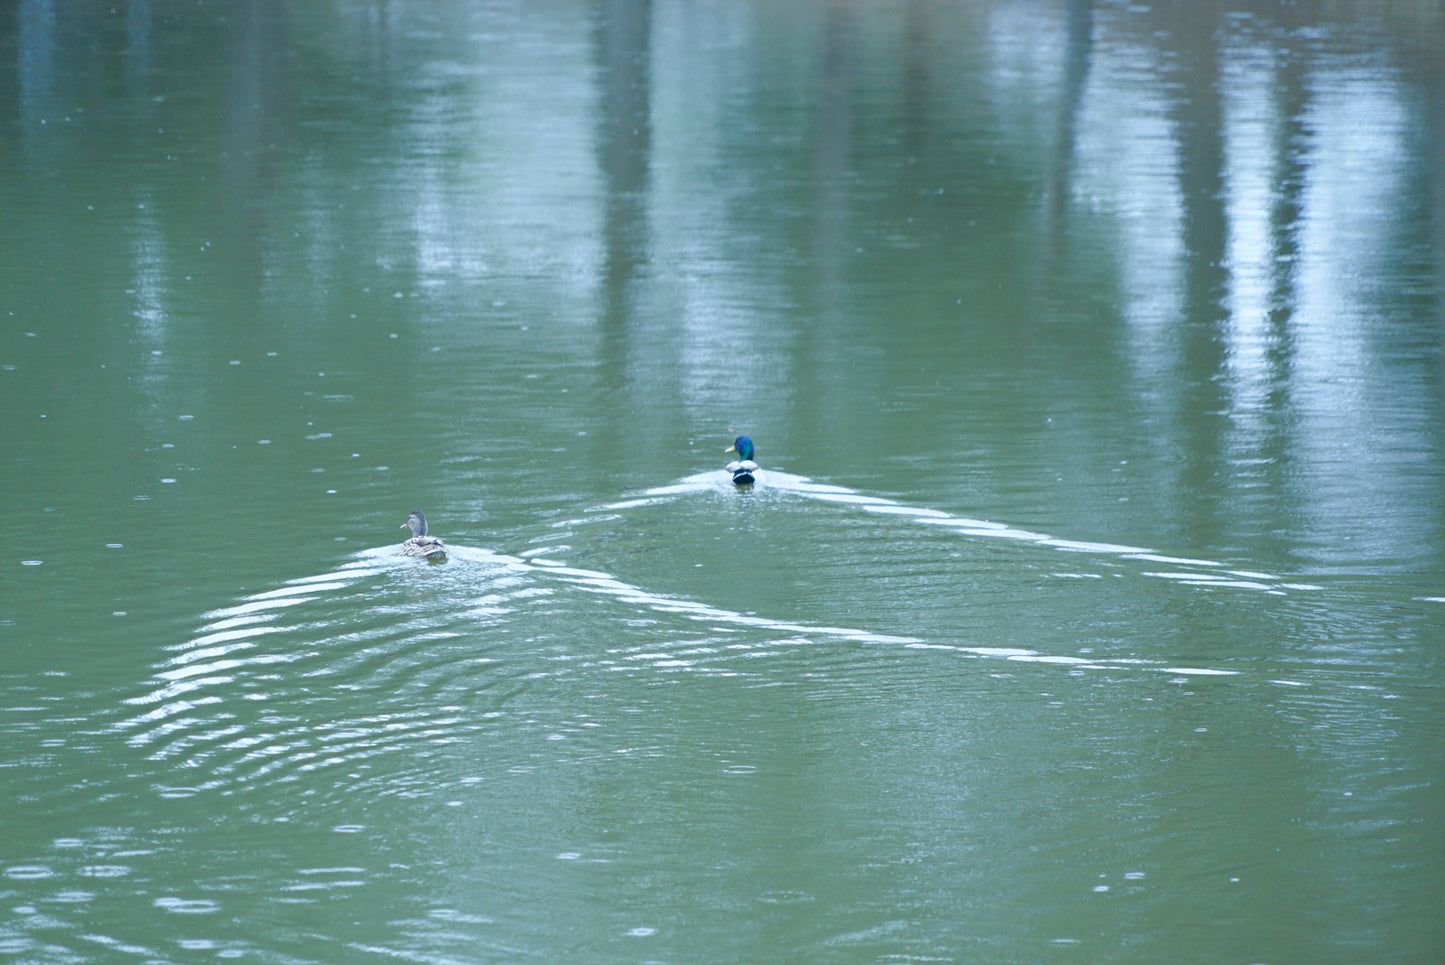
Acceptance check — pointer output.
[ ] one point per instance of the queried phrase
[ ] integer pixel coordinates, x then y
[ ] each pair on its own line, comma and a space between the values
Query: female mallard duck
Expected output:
743, 467
420, 544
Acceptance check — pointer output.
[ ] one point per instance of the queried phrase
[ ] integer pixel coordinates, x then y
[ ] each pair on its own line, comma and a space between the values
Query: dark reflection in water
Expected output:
624, 140
1089, 597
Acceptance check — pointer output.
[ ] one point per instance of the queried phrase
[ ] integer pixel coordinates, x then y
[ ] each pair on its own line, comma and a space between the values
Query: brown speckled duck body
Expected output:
421, 545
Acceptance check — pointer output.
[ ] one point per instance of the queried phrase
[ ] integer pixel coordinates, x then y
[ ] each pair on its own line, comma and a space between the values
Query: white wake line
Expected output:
1217, 575
221, 646
210, 655
605, 583
596, 581
207, 656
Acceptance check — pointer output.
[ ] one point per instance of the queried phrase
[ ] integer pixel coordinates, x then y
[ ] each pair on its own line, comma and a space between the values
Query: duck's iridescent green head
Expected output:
743, 446
416, 522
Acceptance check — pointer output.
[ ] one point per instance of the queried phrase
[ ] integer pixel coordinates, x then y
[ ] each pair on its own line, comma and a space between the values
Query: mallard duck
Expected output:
420, 544
743, 467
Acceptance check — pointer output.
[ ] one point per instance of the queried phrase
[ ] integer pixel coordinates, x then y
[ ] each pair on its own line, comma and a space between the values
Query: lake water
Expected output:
1088, 607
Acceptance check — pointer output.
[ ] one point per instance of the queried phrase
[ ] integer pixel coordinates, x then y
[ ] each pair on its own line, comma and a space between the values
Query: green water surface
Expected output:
1089, 603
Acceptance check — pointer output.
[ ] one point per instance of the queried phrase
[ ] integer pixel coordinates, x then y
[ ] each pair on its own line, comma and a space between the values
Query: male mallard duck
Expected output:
420, 544
743, 467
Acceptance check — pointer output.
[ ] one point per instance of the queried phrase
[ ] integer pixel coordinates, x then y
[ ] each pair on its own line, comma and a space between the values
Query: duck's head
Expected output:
416, 522
743, 446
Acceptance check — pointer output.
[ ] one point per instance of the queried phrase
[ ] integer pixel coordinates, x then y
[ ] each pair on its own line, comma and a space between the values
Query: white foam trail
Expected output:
598, 582
256, 606
226, 642
1078, 546
772, 479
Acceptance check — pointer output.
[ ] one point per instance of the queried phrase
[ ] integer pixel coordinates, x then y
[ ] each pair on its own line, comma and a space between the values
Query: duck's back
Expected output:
428, 547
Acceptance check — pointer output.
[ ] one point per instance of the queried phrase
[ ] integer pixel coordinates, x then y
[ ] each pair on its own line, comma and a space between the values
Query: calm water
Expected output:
1089, 606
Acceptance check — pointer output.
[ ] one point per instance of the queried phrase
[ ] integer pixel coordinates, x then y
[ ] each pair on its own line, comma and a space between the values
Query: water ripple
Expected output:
381, 659
789, 484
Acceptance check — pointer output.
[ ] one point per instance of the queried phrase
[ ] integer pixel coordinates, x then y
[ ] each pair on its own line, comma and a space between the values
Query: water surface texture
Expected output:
1089, 603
